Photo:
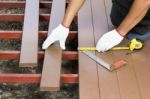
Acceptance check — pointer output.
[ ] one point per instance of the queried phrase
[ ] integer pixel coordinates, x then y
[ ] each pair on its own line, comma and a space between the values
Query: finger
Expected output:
101, 48
98, 48
48, 42
62, 44
109, 47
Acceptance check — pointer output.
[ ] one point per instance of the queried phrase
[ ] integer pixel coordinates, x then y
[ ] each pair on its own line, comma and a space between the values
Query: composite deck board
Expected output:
142, 69
88, 80
108, 5
126, 75
50, 80
127, 81
29, 45
107, 80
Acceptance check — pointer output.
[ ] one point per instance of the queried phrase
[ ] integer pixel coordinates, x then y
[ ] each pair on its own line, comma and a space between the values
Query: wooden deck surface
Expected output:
88, 78
129, 82
95, 82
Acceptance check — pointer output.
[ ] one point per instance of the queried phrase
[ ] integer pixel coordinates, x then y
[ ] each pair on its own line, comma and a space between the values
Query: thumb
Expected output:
98, 46
62, 44
48, 42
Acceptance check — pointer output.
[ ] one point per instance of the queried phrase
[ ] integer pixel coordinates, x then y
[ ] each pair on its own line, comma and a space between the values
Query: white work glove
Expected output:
60, 34
108, 41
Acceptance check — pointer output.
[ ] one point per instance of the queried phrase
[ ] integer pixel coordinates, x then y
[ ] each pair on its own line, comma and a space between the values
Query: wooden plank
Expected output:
20, 17
14, 55
29, 47
12, 4
108, 82
52, 59
35, 78
126, 76
42, 35
88, 80
141, 64
108, 5
11, 17
21, 4
124, 82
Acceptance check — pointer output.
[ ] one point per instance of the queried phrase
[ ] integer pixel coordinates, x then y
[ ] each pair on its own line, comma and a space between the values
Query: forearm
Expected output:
72, 9
137, 12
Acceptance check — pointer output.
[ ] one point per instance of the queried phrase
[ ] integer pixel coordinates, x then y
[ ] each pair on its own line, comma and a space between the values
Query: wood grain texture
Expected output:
127, 80
88, 80
108, 6
29, 45
53, 55
107, 80
127, 83
126, 75
141, 63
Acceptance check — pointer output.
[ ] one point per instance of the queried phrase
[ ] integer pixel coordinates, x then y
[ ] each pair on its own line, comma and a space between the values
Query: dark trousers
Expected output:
144, 37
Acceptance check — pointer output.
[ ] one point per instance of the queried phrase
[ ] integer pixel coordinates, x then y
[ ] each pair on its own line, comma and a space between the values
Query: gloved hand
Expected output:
60, 34
109, 40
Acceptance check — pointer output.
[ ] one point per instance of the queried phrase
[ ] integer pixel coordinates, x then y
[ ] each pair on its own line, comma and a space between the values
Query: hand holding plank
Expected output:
60, 34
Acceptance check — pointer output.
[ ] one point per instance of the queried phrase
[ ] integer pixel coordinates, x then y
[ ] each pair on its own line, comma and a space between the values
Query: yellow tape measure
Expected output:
135, 44
87, 48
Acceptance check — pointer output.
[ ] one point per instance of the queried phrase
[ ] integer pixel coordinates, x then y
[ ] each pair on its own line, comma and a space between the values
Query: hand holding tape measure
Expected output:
134, 45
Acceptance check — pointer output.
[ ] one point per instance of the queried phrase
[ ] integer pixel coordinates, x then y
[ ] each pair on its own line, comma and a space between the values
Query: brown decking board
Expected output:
107, 80
53, 55
88, 80
108, 5
141, 63
129, 82
134, 78
29, 47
